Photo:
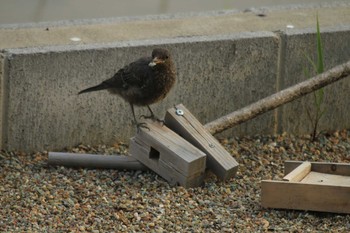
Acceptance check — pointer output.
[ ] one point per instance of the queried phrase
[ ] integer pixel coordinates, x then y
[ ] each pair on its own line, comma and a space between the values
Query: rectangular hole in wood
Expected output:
154, 154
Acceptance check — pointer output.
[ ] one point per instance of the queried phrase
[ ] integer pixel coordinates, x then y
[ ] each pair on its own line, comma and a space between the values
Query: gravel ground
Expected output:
38, 198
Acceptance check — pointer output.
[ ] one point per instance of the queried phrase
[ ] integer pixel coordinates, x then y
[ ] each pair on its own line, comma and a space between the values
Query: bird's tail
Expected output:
99, 87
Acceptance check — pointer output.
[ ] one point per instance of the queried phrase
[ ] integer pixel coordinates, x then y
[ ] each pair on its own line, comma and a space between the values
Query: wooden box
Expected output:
315, 186
169, 155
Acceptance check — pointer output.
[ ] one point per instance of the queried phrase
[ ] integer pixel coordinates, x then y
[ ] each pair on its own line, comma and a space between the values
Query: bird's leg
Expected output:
152, 116
138, 124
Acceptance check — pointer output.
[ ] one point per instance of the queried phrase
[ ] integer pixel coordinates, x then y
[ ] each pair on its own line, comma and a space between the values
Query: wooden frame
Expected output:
322, 187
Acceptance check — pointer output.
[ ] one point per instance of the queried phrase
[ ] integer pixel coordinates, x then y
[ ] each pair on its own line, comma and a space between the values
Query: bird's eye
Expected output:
166, 57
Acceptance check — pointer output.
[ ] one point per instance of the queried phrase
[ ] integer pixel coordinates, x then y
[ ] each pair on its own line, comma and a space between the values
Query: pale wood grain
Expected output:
323, 167
298, 173
177, 161
219, 160
327, 189
302, 196
327, 179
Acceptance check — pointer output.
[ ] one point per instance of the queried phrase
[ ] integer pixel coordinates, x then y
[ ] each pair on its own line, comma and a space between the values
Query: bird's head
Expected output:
160, 56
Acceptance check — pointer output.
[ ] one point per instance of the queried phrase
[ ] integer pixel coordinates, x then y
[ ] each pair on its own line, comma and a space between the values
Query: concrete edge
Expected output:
312, 30
3, 98
77, 22
135, 43
281, 34
281, 63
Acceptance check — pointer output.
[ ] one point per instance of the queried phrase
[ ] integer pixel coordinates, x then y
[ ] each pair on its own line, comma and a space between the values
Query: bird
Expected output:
143, 82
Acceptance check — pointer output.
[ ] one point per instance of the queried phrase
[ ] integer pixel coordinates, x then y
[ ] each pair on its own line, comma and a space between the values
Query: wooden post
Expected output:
169, 155
181, 121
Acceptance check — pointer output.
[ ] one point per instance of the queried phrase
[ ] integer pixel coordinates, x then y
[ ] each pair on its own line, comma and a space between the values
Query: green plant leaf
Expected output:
320, 68
311, 62
318, 95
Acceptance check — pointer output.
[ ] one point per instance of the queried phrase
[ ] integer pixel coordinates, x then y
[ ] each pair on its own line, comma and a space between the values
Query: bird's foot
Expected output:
140, 125
153, 117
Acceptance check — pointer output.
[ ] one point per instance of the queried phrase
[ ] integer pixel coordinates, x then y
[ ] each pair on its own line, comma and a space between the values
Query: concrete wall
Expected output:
40, 109
215, 76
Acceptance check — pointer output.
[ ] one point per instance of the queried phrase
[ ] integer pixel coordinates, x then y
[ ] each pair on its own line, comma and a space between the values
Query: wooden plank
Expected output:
94, 161
325, 179
168, 171
174, 177
218, 159
172, 148
301, 196
298, 173
322, 167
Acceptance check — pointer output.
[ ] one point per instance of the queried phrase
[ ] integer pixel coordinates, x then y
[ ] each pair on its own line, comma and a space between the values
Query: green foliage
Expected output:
319, 94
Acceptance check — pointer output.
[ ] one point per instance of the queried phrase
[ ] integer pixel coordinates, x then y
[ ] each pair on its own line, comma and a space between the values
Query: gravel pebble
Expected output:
36, 197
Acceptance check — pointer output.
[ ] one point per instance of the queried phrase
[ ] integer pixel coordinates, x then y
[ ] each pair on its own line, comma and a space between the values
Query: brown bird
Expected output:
142, 82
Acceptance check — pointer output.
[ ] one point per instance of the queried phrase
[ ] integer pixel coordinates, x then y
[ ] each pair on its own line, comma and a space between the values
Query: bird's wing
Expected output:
135, 74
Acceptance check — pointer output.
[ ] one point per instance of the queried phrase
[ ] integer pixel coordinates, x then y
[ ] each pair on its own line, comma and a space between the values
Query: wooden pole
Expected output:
278, 99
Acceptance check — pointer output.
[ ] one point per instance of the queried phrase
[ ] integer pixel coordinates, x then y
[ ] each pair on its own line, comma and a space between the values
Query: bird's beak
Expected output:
155, 61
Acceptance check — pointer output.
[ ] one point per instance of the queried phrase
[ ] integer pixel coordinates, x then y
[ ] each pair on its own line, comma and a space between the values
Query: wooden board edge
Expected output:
322, 167
301, 196
222, 164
